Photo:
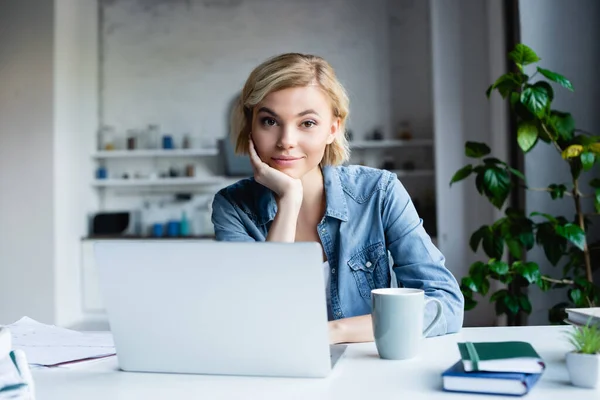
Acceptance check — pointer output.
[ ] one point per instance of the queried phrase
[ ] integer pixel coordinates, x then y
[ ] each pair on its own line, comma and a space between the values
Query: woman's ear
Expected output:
335, 127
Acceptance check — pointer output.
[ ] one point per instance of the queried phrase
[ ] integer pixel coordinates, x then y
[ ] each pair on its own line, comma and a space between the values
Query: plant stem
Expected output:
563, 281
552, 138
586, 251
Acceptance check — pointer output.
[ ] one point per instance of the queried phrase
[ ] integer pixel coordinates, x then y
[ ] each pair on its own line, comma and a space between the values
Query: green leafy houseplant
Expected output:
585, 339
563, 240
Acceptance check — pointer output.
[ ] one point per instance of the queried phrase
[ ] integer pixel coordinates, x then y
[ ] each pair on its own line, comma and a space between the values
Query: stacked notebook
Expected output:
507, 368
583, 316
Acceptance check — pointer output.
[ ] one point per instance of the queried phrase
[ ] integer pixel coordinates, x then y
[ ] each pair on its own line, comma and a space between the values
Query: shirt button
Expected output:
339, 313
369, 264
333, 270
323, 230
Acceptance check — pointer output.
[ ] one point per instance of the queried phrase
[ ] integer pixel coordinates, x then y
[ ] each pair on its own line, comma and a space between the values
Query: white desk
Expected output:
360, 374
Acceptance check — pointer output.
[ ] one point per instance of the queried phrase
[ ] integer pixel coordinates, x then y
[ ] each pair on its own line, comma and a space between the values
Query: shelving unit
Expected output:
390, 143
414, 173
180, 181
104, 154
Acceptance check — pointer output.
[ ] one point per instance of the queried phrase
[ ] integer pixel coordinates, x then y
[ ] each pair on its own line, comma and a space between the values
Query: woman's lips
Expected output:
285, 161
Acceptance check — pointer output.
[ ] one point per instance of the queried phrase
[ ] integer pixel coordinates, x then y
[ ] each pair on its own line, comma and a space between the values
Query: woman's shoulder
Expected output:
359, 181
360, 175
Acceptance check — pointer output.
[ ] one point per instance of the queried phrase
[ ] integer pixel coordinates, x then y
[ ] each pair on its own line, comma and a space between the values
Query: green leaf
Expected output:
506, 84
468, 282
493, 245
527, 135
553, 76
511, 303
514, 99
554, 245
544, 284
595, 183
478, 268
530, 271
476, 237
476, 150
563, 124
573, 234
576, 296
498, 295
535, 98
546, 86
514, 247
469, 304
462, 174
587, 160
497, 183
499, 267
517, 173
557, 191
597, 200
523, 55
525, 303
547, 216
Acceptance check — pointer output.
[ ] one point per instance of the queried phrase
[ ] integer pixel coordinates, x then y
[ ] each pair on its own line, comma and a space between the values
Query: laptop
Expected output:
207, 307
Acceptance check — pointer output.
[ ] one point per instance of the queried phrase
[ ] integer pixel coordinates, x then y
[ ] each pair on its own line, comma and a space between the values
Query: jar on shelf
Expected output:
153, 136
106, 138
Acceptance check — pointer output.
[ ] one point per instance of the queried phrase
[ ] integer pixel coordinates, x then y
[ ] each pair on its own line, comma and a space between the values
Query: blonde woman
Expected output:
290, 120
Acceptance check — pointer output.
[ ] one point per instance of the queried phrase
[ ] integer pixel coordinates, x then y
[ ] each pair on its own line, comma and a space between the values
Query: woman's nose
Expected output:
288, 137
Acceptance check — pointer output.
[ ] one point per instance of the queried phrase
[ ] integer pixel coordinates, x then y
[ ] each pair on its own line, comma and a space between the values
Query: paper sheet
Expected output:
49, 345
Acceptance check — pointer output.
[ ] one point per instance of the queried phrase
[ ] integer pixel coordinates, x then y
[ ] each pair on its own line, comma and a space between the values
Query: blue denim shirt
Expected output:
368, 213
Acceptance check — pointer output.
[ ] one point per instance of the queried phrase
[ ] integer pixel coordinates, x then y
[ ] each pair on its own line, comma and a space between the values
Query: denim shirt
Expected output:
368, 214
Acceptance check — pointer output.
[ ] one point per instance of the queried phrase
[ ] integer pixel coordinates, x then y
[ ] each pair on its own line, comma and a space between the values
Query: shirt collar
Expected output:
336, 206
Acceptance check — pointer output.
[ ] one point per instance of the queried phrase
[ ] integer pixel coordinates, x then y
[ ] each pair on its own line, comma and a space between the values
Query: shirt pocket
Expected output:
369, 267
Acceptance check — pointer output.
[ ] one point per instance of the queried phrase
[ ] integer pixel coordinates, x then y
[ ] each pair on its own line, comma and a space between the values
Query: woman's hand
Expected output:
286, 187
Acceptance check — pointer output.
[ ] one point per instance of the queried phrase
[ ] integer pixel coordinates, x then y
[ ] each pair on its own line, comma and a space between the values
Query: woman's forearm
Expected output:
351, 330
283, 228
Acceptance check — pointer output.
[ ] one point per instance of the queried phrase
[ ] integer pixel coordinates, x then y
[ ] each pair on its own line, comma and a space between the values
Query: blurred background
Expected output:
114, 118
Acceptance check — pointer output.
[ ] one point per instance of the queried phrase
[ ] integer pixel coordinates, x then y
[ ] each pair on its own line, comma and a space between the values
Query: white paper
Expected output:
48, 345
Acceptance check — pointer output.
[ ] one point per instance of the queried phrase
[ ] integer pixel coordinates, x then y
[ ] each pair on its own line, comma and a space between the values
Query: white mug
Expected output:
397, 315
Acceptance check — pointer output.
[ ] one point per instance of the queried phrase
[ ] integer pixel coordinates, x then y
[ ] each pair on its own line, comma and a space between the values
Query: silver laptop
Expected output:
217, 307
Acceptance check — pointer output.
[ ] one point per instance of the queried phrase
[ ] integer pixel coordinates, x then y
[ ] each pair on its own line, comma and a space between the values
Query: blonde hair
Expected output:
288, 71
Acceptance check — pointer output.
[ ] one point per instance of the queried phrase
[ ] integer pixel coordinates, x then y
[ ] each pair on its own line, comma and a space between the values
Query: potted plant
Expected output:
529, 89
583, 363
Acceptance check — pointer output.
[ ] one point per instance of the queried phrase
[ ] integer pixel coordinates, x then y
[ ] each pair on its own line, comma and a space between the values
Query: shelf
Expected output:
209, 151
414, 173
377, 144
204, 181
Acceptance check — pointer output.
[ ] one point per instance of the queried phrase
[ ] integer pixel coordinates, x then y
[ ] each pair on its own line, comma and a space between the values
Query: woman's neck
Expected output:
313, 186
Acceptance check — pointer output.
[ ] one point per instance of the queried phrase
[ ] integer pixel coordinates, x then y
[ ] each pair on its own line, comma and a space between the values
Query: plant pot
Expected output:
584, 369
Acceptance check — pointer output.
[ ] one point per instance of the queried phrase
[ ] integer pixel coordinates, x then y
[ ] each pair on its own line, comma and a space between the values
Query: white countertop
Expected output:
360, 374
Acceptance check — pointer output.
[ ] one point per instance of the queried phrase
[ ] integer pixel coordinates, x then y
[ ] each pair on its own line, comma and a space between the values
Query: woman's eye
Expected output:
268, 121
309, 124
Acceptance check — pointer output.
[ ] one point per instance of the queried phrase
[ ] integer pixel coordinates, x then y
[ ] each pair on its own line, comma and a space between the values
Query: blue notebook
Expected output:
455, 379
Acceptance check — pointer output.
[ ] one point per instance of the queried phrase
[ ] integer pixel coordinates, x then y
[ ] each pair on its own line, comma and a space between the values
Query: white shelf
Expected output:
414, 173
196, 181
377, 144
209, 151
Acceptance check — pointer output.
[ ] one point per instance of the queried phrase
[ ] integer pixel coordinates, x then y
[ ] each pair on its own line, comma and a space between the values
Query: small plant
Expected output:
585, 339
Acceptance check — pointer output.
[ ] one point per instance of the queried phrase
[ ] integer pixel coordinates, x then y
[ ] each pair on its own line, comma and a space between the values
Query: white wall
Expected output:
75, 124
179, 63
565, 36
26, 160
464, 65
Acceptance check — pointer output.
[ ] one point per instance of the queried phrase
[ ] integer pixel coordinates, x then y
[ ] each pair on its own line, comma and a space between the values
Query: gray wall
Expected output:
565, 35
26, 160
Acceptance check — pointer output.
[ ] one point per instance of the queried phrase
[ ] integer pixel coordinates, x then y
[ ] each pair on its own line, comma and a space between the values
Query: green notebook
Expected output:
501, 357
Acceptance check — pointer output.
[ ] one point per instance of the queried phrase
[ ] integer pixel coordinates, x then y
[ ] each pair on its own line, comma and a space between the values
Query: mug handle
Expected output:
438, 314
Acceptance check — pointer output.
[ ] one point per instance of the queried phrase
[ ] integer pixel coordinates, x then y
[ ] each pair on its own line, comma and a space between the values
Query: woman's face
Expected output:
292, 127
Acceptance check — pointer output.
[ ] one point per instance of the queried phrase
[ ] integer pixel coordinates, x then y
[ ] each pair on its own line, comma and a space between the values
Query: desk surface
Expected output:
359, 374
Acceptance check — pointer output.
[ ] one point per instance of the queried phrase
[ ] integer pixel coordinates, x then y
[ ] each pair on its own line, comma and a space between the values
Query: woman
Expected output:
290, 120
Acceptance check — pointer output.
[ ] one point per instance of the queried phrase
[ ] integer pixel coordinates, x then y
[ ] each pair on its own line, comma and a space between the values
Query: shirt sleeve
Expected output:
418, 263
227, 222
